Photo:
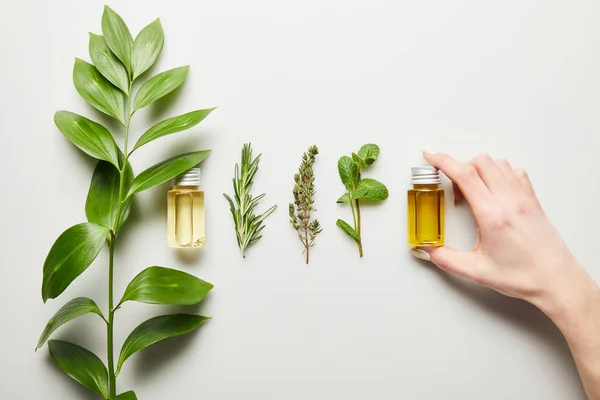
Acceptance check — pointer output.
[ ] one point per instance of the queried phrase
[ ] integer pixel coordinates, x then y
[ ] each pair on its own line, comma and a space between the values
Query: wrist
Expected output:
569, 298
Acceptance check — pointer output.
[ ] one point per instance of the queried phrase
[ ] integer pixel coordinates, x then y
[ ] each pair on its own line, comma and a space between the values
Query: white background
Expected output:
515, 78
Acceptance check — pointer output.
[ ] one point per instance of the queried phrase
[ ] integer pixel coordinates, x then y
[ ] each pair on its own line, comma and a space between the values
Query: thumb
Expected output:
447, 259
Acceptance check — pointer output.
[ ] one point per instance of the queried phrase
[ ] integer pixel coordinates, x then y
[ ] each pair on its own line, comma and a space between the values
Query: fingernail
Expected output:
428, 151
420, 254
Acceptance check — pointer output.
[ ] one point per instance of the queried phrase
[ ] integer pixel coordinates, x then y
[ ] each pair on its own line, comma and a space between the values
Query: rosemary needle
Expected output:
248, 225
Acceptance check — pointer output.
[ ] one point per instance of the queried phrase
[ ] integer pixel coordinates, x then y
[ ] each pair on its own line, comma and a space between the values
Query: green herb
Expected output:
248, 225
357, 188
107, 85
300, 210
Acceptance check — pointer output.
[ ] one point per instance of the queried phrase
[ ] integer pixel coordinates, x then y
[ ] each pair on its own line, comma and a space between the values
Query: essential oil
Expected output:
425, 208
185, 211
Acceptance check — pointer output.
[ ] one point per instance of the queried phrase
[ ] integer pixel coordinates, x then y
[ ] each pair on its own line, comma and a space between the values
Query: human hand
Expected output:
518, 251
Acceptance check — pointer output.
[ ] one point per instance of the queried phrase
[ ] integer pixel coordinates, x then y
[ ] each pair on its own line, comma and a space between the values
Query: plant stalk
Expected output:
111, 314
357, 218
111, 309
359, 241
307, 250
111, 247
355, 207
352, 208
305, 223
241, 226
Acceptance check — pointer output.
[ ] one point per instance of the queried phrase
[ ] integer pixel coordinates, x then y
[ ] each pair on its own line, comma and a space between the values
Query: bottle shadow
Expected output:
189, 257
516, 312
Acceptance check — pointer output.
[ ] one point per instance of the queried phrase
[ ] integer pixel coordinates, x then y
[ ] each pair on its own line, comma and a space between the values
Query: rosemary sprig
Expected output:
300, 210
248, 225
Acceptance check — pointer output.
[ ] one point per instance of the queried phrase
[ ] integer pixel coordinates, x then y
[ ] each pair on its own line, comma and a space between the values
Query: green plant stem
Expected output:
111, 310
111, 246
128, 118
357, 218
352, 208
111, 314
126, 137
359, 242
241, 227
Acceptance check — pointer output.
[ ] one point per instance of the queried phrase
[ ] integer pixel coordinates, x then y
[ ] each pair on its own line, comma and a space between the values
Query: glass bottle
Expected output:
185, 211
425, 208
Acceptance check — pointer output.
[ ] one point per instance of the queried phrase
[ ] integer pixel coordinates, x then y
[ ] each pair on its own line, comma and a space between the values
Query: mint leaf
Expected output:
343, 198
348, 170
358, 160
369, 153
348, 229
370, 189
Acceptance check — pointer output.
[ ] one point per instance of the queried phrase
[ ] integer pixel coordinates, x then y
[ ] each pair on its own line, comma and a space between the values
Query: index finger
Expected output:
463, 175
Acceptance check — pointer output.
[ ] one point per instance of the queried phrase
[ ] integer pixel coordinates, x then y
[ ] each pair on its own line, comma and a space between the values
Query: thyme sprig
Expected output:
302, 207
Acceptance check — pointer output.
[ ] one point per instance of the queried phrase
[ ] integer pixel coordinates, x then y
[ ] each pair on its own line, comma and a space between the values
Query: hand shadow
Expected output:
516, 312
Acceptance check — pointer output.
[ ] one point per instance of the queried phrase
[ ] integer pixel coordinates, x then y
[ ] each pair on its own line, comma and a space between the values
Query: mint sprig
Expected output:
357, 188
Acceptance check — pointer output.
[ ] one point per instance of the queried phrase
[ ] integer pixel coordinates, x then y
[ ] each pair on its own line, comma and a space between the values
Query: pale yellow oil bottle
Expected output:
425, 208
185, 211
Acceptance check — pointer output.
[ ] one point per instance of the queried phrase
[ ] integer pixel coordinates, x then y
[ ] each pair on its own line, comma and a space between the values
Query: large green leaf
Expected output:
117, 36
146, 47
98, 91
172, 125
80, 364
103, 197
343, 225
89, 136
157, 329
126, 396
159, 86
75, 308
159, 285
369, 153
348, 170
370, 189
71, 254
106, 62
166, 170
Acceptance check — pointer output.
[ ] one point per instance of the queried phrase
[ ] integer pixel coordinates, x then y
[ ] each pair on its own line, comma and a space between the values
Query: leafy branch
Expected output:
118, 60
300, 210
358, 188
248, 225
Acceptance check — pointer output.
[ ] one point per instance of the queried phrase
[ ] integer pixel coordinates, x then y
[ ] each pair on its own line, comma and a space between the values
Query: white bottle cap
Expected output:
425, 175
190, 178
